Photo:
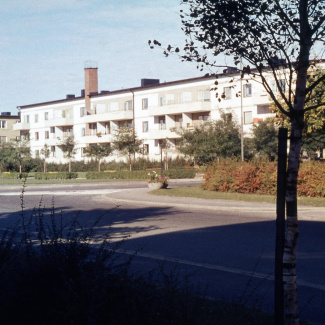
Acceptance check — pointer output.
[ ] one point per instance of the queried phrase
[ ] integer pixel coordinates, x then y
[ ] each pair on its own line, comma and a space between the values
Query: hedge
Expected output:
60, 175
9, 175
258, 177
141, 174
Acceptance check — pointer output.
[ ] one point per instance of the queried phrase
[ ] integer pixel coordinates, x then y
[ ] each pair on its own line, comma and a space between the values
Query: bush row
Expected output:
37, 165
141, 174
258, 177
7, 175
60, 175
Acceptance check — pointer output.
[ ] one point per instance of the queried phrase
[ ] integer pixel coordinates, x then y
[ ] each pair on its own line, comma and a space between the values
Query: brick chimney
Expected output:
91, 81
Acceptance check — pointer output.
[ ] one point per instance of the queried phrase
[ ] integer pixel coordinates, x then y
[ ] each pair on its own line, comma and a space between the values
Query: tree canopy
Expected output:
99, 151
211, 140
127, 143
264, 141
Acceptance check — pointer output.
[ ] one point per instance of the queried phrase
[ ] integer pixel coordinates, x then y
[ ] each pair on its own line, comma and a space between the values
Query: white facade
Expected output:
156, 111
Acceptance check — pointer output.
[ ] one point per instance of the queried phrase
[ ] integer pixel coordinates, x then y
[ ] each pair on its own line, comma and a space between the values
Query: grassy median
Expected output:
198, 192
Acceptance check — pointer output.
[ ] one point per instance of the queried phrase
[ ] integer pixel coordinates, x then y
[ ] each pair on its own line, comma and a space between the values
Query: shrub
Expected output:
260, 177
56, 175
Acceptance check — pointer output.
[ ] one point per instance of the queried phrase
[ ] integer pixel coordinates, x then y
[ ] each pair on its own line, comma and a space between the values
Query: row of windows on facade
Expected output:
248, 89
248, 119
168, 99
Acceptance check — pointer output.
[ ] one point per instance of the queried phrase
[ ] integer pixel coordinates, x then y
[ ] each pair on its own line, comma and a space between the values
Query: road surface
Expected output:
226, 247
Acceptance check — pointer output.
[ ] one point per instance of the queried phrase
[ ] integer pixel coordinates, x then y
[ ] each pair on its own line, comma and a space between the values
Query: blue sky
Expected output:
45, 43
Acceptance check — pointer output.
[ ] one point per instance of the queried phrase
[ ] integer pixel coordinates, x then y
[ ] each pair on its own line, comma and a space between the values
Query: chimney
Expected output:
91, 81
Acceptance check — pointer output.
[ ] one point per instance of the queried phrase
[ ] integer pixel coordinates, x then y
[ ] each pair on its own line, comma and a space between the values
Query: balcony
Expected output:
21, 126
172, 107
59, 121
103, 116
103, 138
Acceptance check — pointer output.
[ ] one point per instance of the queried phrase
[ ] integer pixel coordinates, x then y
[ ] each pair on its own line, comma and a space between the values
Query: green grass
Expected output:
198, 192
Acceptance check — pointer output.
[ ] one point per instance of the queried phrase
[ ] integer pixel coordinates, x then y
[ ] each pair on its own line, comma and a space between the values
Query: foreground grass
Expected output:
198, 192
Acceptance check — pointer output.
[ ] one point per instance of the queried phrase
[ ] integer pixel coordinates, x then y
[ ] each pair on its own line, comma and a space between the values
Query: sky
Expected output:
45, 44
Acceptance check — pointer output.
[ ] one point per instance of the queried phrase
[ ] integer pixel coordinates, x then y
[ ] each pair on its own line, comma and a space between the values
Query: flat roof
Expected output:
121, 91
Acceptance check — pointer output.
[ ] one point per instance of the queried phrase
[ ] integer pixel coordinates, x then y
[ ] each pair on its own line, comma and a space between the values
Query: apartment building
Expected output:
155, 110
7, 131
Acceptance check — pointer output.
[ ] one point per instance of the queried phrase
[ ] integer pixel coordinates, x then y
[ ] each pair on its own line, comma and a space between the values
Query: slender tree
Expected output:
276, 41
21, 151
99, 151
45, 151
68, 148
127, 143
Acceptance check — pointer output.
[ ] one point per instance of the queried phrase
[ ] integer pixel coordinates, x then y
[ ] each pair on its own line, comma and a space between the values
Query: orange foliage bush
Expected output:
230, 175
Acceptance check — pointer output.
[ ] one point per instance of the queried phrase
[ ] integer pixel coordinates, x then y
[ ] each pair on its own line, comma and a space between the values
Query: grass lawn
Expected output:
198, 192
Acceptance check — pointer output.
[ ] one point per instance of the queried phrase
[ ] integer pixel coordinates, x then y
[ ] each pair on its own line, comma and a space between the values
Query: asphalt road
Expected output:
225, 247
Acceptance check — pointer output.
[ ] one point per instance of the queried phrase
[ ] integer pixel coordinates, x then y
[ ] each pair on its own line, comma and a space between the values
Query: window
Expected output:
145, 103
52, 129
3, 124
46, 116
263, 109
93, 128
162, 101
227, 93
47, 134
248, 117
282, 85
203, 95
67, 131
26, 119
83, 111
126, 124
36, 118
145, 149
203, 119
185, 97
52, 151
107, 128
247, 90
83, 152
128, 105
36, 135
162, 125
145, 126
3, 139
83, 132
63, 113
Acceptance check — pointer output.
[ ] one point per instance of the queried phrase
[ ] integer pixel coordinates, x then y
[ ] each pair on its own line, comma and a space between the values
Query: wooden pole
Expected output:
280, 228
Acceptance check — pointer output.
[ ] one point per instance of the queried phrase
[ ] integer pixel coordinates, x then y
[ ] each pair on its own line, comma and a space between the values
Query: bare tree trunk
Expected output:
99, 165
44, 166
69, 165
130, 162
291, 240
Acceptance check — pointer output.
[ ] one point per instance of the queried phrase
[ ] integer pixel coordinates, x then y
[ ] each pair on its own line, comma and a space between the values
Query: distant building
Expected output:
154, 109
7, 131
